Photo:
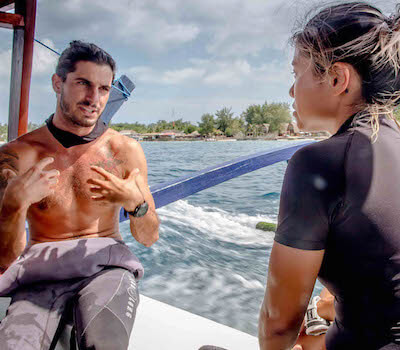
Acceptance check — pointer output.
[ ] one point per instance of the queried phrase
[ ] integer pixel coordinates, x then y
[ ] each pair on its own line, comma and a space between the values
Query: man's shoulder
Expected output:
126, 149
22, 152
26, 143
121, 142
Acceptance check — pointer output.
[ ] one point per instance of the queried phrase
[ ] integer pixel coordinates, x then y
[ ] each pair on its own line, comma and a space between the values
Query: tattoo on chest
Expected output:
109, 164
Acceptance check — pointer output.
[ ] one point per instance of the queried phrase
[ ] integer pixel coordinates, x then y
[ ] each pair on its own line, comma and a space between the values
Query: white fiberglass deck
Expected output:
161, 326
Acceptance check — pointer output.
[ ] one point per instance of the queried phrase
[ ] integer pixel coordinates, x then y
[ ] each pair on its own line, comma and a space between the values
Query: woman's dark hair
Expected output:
82, 51
361, 35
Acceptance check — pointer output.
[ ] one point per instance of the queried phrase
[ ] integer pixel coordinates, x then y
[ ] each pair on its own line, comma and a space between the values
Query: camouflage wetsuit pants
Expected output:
100, 308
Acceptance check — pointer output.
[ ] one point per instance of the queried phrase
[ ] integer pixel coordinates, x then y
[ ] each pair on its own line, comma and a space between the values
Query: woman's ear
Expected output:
56, 82
339, 78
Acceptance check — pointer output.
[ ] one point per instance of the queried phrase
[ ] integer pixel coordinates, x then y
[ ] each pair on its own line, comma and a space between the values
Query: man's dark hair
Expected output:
82, 51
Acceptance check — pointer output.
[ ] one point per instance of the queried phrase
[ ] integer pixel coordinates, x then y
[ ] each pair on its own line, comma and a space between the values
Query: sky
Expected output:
186, 57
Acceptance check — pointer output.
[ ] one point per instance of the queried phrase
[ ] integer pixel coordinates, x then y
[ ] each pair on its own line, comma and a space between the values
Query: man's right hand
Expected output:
30, 187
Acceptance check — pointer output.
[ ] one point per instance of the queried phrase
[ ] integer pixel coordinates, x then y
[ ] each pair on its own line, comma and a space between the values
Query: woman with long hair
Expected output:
339, 216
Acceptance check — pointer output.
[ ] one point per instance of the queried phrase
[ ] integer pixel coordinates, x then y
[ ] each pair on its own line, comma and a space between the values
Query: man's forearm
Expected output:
145, 229
12, 233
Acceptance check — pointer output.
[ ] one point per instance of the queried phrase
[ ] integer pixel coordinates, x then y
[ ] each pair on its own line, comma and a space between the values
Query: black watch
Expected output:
139, 211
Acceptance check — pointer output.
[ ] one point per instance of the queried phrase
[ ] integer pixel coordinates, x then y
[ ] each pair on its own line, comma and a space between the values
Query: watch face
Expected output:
142, 210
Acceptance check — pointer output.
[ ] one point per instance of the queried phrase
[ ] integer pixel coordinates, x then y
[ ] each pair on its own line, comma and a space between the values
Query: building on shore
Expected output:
283, 129
257, 130
293, 129
132, 134
165, 135
171, 135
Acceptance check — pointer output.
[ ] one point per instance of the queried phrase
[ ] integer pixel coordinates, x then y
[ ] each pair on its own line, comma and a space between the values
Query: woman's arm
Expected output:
291, 277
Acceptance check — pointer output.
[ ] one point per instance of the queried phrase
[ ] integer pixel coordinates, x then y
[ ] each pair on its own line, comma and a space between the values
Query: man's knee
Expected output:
106, 331
104, 317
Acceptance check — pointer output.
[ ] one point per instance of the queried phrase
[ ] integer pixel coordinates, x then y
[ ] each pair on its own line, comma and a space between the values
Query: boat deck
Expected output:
161, 326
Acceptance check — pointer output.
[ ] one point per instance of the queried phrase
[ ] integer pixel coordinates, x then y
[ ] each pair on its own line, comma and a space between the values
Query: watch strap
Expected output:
139, 211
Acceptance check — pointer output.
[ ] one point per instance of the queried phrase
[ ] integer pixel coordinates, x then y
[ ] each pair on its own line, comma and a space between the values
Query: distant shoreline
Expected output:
228, 139
280, 138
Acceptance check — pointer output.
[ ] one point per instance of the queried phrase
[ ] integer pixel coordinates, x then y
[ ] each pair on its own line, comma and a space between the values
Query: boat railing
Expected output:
171, 191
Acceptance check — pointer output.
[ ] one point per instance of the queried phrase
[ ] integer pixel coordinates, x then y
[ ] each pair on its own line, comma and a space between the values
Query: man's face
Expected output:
85, 92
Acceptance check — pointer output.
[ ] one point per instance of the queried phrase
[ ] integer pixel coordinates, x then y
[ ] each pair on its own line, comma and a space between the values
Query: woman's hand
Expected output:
309, 342
325, 309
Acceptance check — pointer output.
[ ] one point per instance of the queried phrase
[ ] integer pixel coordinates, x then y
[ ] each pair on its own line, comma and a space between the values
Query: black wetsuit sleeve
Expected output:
306, 199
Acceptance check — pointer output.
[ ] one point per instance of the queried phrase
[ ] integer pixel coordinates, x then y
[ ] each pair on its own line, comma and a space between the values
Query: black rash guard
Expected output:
342, 195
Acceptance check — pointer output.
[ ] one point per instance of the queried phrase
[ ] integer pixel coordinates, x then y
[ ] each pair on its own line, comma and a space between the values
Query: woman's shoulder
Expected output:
324, 154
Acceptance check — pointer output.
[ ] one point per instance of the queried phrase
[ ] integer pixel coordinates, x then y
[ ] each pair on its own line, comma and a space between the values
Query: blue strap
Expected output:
124, 90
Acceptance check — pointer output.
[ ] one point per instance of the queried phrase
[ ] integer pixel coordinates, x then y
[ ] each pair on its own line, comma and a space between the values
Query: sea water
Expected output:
210, 259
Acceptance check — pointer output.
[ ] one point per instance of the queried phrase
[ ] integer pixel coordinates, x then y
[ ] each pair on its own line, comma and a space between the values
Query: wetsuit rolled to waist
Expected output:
63, 260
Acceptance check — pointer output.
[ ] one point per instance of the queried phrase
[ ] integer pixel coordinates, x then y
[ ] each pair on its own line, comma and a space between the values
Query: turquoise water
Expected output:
210, 259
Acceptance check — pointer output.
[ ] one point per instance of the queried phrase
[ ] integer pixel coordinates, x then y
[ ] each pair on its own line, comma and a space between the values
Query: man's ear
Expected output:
57, 83
339, 78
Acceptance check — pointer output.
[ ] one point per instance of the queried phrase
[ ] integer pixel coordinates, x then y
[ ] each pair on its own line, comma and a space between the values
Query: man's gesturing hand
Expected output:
126, 192
30, 187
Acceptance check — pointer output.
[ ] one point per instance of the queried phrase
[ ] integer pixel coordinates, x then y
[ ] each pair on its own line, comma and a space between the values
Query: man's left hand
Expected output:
111, 188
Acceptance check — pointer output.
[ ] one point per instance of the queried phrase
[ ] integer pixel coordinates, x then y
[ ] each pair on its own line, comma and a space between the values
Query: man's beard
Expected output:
71, 117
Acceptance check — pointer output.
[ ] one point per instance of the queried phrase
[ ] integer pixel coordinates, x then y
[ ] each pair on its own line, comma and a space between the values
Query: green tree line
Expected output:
161, 125
222, 122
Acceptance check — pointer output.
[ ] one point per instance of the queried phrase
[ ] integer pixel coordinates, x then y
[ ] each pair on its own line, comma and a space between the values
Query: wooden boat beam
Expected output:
11, 20
23, 24
6, 5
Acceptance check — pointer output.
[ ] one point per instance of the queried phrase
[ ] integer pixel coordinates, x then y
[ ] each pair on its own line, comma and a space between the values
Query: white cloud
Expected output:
228, 73
216, 73
5, 66
249, 27
180, 76
229, 28
142, 24
146, 74
44, 61
274, 72
234, 27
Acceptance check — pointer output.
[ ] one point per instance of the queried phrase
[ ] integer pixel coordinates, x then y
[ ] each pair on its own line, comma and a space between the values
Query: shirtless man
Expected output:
69, 179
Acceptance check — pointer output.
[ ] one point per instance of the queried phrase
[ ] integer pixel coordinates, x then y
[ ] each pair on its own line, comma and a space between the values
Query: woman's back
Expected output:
339, 215
344, 199
362, 256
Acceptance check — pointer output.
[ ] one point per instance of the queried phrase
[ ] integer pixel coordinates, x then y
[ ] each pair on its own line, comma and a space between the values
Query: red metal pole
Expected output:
29, 12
